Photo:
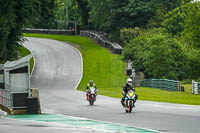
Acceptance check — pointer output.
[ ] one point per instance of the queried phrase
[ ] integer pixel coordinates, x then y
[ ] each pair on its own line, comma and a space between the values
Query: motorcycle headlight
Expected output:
131, 94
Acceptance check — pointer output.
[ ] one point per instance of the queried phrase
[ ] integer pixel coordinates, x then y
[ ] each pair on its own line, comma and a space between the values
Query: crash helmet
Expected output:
91, 82
129, 81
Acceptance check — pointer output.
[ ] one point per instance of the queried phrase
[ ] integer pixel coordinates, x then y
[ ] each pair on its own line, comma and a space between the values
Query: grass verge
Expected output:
151, 94
107, 71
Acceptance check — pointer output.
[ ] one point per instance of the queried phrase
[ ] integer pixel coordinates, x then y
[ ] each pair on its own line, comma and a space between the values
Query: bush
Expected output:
157, 55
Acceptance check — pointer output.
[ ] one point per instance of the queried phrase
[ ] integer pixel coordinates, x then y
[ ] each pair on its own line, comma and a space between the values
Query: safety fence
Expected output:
195, 87
6, 98
103, 40
13, 100
100, 37
164, 84
49, 31
15, 83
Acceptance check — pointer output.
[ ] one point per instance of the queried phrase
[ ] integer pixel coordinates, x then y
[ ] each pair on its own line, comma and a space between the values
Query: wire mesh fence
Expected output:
164, 84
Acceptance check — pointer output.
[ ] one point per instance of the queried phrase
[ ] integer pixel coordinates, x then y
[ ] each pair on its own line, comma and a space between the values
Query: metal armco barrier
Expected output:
49, 31
165, 84
103, 41
100, 37
195, 87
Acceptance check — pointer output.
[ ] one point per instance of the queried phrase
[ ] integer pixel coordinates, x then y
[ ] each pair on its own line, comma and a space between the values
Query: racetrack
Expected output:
57, 72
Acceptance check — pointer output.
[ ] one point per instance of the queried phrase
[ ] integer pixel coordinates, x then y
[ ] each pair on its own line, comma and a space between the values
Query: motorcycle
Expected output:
92, 96
129, 101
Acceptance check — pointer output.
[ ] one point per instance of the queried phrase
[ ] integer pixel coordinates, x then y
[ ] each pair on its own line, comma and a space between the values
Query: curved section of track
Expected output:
58, 70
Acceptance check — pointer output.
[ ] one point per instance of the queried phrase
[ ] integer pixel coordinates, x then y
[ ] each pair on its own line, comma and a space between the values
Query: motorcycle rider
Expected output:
128, 86
89, 85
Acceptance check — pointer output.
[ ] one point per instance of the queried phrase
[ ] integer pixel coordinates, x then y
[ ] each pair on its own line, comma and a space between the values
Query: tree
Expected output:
99, 13
191, 32
176, 19
7, 18
46, 19
13, 15
157, 55
162, 8
166, 58
129, 13
194, 63
84, 12
66, 11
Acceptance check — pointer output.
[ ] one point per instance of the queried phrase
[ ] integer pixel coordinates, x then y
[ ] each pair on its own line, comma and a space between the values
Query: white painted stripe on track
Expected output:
111, 123
81, 57
69, 127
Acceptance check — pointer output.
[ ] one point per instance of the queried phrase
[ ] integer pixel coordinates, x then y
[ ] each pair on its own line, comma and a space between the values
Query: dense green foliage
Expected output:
66, 12
157, 55
13, 15
17, 14
42, 14
84, 12
112, 15
171, 51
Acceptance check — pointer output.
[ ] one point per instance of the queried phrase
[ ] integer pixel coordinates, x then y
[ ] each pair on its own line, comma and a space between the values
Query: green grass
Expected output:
107, 71
151, 94
168, 96
188, 88
24, 52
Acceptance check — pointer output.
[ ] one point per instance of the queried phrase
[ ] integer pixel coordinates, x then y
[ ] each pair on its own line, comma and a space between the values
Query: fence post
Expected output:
179, 89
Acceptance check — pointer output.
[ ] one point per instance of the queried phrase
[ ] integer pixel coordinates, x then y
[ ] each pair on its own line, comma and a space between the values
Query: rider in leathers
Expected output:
128, 86
89, 85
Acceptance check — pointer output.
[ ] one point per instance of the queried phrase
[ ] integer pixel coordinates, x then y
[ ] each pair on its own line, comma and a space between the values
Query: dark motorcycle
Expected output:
129, 101
92, 96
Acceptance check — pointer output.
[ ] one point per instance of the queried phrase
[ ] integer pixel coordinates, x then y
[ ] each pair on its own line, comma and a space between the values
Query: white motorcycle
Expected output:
129, 101
92, 96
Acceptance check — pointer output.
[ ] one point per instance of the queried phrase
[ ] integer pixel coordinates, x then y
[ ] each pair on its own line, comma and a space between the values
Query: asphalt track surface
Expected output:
57, 72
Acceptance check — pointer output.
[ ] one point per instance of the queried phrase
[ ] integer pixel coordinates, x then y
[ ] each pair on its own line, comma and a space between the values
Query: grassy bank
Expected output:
107, 71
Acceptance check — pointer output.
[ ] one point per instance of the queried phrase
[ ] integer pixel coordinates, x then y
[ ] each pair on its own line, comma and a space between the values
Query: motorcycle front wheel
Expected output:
129, 107
91, 102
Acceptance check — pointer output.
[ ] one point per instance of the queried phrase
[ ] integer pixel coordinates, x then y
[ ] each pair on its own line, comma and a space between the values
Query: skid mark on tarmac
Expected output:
81, 122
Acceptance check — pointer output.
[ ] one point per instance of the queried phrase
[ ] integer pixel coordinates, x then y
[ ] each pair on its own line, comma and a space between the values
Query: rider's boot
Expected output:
123, 104
134, 104
87, 96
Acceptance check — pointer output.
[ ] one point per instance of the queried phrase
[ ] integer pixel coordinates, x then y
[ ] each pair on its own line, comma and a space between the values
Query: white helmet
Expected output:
129, 81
